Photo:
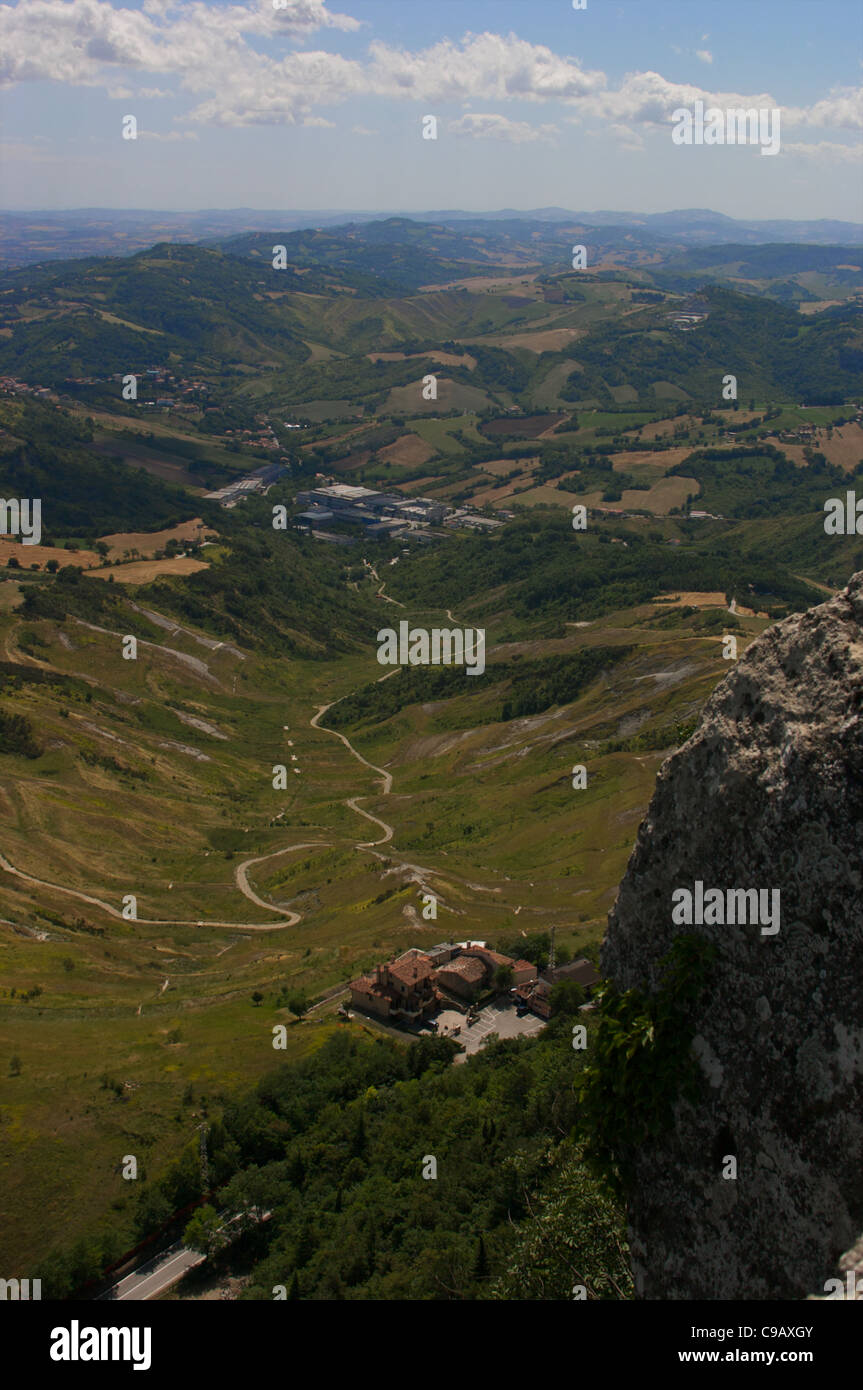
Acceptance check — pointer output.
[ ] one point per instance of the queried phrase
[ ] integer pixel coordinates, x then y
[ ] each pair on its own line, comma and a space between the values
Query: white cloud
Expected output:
494, 127
627, 138
827, 152
648, 98
704, 55
487, 67
363, 130
76, 41
265, 93
73, 40
320, 121
230, 58
841, 110
306, 16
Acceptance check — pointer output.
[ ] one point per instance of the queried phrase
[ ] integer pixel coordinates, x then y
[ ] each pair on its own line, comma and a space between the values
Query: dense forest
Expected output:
335, 1149
528, 687
45, 455
771, 346
761, 481
551, 571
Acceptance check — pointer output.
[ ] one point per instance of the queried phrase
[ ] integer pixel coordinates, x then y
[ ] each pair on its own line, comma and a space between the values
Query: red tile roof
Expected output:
411, 971
367, 984
468, 967
493, 957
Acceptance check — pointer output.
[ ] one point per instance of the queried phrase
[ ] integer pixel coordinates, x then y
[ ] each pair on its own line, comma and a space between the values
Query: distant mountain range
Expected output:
27, 238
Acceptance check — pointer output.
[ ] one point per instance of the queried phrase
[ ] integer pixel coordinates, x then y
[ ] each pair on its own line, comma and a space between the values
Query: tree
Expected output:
257, 998
152, 1211
503, 977
359, 1140
298, 1003
15, 1065
566, 998
480, 1264
205, 1232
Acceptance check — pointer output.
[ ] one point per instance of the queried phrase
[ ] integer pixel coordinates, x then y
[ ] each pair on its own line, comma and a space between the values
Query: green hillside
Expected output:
276, 804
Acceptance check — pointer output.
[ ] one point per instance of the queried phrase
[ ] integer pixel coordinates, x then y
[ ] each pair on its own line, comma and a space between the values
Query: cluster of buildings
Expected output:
179, 393
263, 437
379, 513
691, 313
414, 986
535, 995
15, 387
256, 481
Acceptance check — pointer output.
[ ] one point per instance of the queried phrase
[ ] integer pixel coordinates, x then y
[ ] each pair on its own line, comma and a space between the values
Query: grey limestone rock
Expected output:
767, 794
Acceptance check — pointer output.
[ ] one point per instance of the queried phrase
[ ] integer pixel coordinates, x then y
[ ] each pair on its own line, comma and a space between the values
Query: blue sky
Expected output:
318, 104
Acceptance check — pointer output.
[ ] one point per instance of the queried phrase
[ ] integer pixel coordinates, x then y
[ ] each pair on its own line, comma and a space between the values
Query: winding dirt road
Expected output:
290, 921
288, 918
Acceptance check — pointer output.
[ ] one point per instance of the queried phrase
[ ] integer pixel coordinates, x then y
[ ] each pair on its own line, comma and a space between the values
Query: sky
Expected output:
320, 104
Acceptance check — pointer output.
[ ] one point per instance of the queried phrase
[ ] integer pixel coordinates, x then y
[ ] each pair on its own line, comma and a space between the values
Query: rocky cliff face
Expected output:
766, 795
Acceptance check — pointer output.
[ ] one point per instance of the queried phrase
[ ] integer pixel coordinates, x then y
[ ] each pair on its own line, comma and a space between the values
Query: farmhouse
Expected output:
413, 986
402, 989
522, 970
463, 976
537, 994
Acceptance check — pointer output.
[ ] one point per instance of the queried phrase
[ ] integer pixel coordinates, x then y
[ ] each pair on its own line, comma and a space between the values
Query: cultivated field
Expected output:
30, 556
409, 450
447, 359
544, 340
148, 542
522, 426
499, 467
451, 395
145, 571
844, 448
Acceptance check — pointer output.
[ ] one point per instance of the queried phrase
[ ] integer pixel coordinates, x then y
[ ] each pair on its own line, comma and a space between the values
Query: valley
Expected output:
272, 806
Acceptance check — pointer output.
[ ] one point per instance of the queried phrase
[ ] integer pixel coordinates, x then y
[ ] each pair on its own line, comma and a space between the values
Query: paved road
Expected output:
163, 1270
156, 1275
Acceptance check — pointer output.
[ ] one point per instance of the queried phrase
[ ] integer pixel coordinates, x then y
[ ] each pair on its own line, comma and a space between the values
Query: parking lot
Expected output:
499, 1017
